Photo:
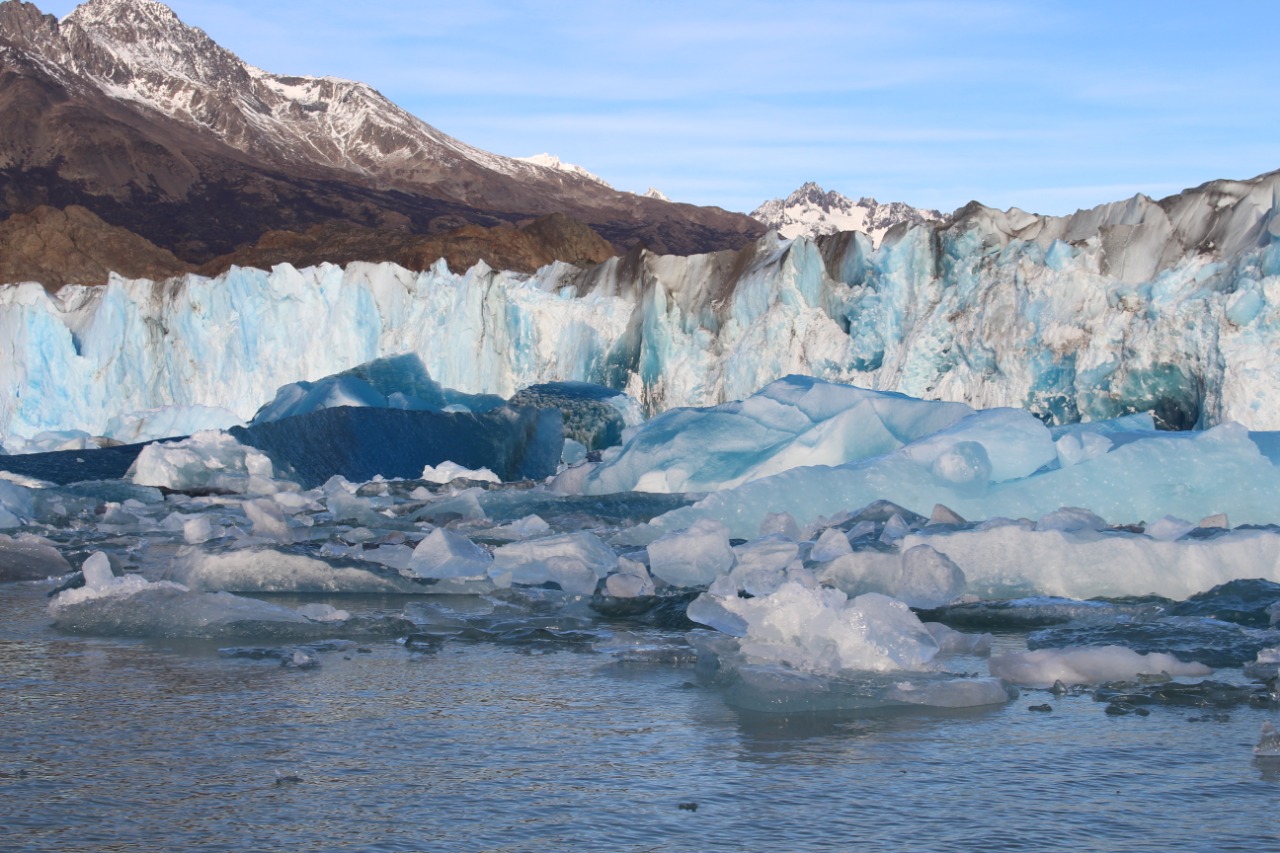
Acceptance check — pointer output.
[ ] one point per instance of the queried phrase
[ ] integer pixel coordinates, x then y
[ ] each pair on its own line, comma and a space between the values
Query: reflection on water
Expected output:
479, 745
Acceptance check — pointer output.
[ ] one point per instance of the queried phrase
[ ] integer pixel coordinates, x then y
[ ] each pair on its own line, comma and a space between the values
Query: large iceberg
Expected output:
1005, 464
1171, 307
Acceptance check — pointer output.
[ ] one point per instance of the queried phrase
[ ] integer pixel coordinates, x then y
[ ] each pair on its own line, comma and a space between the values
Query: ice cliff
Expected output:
1169, 306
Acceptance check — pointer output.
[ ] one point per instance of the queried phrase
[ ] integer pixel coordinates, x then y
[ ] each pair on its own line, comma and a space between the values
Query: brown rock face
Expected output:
73, 246
522, 249
124, 110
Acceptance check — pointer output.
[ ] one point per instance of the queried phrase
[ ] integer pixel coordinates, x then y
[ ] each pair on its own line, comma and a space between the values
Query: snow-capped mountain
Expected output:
811, 211
122, 108
139, 51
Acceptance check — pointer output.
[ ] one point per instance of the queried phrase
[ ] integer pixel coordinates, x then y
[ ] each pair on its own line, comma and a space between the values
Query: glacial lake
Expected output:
534, 745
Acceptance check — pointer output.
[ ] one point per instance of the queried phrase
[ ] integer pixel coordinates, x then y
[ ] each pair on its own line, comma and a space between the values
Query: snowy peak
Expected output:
121, 103
811, 211
551, 161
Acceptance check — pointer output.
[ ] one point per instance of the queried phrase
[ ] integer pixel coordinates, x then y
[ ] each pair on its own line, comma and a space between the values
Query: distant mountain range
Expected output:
812, 211
150, 126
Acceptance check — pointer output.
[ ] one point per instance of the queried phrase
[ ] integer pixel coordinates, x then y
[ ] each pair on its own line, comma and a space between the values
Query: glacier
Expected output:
1171, 307
838, 442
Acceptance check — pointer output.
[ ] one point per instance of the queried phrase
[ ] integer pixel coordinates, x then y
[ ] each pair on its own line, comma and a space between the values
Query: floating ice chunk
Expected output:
206, 460
831, 544
864, 570
995, 445
781, 523
894, 529
1075, 448
345, 505
952, 692
717, 608
1087, 665
1268, 745
260, 569
524, 528
574, 561
16, 505
795, 421
927, 578
361, 443
862, 528
131, 606
447, 472
30, 557
953, 642
168, 422
1168, 529
963, 466
300, 398
443, 554
762, 565
1189, 476
318, 612
97, 572
573, 453
943, 514
101, 582
1070, 519
631, 580
692, 557
1010, 560
268, 520
821, 630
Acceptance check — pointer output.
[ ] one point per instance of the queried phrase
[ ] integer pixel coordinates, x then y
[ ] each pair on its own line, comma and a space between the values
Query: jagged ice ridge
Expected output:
1170, 306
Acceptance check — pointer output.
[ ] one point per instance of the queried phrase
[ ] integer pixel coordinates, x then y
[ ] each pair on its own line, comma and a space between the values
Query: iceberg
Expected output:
361, 443
1087, 665
132, 606
1185, 475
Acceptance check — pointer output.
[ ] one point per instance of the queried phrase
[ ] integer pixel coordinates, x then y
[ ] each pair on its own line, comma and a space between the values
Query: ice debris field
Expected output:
814, 546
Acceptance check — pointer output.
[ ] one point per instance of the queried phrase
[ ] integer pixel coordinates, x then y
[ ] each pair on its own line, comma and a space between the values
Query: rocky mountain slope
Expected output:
811, 211
126, 111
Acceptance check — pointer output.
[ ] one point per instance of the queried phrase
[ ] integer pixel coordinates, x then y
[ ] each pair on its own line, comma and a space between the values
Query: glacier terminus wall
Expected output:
1170, 306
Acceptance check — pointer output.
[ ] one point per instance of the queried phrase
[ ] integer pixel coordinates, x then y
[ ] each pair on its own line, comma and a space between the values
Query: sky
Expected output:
1048, 105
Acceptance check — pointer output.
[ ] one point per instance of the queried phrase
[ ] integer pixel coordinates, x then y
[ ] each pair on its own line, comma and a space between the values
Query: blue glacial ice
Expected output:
1170, 307
993, 463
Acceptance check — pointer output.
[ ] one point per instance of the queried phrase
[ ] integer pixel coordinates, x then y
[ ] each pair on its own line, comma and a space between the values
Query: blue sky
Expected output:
1048, 106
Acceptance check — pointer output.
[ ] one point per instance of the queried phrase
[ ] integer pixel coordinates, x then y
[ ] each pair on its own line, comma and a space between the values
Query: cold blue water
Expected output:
521, 742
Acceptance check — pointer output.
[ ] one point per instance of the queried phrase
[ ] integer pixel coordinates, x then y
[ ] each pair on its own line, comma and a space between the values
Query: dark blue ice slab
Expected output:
75, 466
361, 443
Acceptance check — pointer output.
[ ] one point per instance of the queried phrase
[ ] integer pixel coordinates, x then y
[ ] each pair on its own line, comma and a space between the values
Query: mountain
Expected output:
126, 111
811, 211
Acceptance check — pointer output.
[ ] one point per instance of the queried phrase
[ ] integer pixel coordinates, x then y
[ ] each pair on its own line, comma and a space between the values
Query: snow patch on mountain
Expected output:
551, 161
811, 211
140, 52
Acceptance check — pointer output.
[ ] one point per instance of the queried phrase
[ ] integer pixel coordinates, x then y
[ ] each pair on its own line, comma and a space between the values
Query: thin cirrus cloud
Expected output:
1046, 105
